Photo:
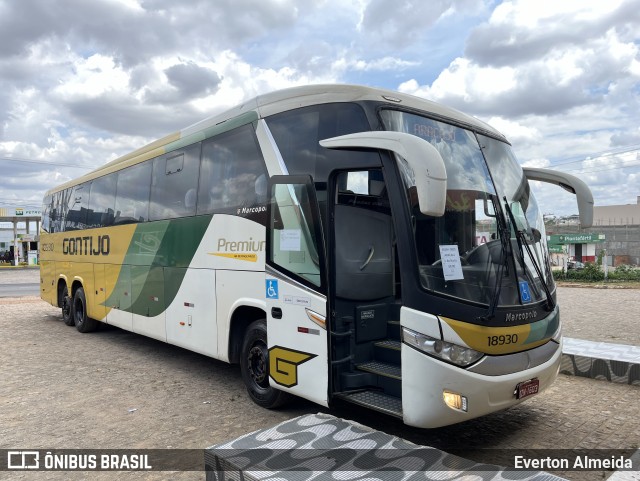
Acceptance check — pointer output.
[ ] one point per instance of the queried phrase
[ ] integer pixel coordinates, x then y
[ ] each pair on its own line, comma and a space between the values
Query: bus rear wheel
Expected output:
254, 365
82, 322
66, 307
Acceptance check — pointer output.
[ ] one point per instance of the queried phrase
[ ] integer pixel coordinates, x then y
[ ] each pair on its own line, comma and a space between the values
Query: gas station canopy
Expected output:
16, 215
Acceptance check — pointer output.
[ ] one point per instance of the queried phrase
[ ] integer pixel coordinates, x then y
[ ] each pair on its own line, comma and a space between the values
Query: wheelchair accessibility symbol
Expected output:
525, 294
272, 289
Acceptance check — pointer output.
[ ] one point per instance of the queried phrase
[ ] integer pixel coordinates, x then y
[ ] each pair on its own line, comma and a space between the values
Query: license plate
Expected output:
527, 388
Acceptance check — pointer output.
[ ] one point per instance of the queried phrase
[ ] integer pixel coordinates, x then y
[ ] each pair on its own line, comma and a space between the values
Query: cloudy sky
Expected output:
83, 82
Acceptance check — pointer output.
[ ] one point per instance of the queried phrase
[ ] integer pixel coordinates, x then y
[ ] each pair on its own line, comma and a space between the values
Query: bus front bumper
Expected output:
424, 380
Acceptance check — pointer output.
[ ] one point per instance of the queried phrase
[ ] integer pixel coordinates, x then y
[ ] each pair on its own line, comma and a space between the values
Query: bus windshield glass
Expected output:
474, 251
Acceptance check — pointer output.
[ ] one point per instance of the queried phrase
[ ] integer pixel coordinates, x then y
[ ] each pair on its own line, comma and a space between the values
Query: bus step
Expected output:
375, 400
387, 351
388, 344
382, 369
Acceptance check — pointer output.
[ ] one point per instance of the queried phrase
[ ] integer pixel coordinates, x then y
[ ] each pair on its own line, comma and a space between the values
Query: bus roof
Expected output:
272, 103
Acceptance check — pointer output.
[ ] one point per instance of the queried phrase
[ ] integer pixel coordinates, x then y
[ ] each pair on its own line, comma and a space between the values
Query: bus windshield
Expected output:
474, 251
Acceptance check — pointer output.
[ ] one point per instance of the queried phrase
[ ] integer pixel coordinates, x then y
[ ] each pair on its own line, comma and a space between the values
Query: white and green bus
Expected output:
338, 242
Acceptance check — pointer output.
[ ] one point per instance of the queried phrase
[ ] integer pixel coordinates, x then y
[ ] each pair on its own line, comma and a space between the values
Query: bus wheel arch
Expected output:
240, 320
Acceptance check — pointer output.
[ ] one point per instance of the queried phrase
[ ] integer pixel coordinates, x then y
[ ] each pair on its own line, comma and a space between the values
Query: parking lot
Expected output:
114, 389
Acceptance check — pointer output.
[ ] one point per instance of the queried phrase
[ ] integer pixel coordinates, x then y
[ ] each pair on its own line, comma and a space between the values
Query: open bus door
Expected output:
295, 290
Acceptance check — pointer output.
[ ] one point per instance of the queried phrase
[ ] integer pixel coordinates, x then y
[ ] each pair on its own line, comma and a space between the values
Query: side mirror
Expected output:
569, 183
423, 158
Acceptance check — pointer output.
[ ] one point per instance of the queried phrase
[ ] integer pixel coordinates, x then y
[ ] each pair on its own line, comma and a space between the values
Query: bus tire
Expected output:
66, 308
254, 365
82, 322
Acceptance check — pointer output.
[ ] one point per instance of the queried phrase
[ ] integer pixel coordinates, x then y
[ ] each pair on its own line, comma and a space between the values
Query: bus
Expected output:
338, 242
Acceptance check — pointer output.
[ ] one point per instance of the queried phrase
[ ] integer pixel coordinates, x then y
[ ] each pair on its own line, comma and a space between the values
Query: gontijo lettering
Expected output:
87, 246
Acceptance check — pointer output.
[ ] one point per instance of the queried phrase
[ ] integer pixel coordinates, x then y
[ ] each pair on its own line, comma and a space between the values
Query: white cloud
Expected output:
86, 82
515, 131
93, 77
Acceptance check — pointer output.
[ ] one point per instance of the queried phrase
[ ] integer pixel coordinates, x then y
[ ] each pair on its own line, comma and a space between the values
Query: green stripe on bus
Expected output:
153, 245
544, 329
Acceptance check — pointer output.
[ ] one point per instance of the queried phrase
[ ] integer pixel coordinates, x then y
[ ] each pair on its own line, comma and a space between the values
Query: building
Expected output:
20, 239
617, 229
579, 247
628, 214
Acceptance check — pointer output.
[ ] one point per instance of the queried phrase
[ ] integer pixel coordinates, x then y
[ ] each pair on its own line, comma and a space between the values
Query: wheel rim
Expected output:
258, 364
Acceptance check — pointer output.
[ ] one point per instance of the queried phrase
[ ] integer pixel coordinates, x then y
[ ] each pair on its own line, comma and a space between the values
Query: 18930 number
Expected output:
501, 340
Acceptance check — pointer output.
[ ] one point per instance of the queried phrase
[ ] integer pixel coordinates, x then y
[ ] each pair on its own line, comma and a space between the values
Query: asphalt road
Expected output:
19, 290
19, 282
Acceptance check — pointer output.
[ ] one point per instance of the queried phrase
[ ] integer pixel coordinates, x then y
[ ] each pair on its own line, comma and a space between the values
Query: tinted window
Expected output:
297, 133
63, 202
46, 213
77, 203
233, 173
102, 201
132, 194
56, 212
174, 184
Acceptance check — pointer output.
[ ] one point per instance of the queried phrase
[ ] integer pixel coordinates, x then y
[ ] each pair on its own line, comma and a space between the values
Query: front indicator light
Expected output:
447, 351
558, 335
455, 401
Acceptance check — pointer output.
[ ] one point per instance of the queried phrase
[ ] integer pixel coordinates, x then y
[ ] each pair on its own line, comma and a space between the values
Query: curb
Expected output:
619, 363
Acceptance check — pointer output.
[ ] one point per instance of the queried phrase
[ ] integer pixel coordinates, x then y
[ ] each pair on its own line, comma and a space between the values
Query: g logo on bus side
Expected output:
283, 365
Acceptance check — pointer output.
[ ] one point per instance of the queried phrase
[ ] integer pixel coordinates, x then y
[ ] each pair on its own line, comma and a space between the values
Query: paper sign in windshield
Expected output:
451, 266
290, 240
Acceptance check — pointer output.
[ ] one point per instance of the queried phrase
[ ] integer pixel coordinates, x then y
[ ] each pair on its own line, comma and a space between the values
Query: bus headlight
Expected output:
447, 351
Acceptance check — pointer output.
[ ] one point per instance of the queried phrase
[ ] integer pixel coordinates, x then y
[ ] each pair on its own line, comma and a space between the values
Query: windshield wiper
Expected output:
503, 266
521, 239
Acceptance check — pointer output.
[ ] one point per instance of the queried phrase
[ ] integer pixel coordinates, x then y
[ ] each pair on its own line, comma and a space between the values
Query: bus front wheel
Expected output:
79, 311
66, 307
254, 364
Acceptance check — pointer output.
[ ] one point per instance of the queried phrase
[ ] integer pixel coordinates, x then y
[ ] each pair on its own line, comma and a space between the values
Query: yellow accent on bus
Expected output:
494, 340
239, 256
283, 365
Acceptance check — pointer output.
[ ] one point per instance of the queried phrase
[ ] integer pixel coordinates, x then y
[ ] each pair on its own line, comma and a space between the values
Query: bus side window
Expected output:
54, 214
232, 173
46, 213
132, 194
78, 202
102, 201
173, 184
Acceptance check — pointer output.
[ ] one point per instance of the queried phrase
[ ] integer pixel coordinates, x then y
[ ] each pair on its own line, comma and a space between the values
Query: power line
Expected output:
601, 155
598, 157
606, 169
618, 163
44, 162
21, 204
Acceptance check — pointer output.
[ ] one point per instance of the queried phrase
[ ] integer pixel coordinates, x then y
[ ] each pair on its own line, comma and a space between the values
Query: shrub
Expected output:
594, 273
625, 273
590, 273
